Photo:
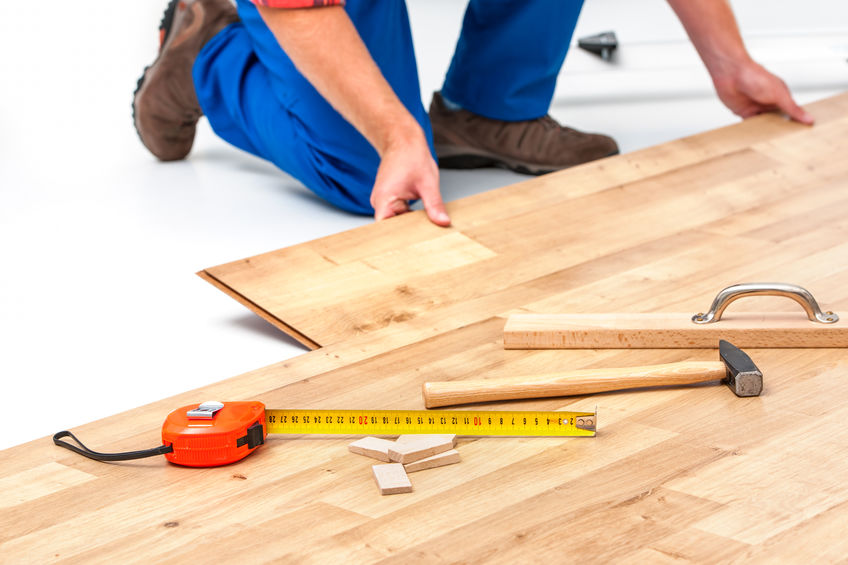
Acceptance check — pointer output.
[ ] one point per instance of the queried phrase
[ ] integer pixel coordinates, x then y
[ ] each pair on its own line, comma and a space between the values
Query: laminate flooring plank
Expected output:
259, 311
282, 535
689, 545
39, 482
674, 201
772, 219
819, 539
641, 521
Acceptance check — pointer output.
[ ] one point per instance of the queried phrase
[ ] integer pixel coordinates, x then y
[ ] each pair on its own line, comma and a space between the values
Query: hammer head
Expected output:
743, 377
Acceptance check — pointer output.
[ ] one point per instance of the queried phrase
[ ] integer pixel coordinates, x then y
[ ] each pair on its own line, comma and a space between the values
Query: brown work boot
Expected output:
465, 140
165, 107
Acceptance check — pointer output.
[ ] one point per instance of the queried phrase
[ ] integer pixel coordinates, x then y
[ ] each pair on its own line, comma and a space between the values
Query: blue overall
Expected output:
505, 67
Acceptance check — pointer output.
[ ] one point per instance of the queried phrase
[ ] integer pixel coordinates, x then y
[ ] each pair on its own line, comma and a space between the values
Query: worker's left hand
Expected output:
752, 90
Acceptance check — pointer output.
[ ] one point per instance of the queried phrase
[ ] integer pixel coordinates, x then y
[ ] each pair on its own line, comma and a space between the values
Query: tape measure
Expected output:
218, 433
397, 422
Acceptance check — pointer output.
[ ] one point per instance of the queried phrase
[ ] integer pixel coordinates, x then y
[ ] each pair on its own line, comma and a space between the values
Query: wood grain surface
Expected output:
675, 474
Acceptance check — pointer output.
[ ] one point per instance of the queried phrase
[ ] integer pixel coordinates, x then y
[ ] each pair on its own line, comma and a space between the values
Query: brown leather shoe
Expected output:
165, 107
465, 140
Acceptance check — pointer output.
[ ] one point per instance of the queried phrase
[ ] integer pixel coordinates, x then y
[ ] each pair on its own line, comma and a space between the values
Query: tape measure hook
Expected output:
206, 410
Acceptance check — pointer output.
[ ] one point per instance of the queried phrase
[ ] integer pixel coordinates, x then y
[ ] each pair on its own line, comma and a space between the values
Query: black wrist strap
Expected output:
126, 456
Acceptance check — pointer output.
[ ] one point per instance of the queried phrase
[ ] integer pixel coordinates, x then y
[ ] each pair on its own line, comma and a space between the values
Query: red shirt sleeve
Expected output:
298, 3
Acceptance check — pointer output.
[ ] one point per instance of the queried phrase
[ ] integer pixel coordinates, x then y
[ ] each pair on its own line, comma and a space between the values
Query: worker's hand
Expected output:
408, 172
751, 89
743, 85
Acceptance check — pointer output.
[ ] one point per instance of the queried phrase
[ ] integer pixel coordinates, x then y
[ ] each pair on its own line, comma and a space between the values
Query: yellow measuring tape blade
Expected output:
465, 423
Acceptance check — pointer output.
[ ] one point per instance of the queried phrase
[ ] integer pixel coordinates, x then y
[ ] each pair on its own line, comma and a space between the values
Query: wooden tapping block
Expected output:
435, 438
427, 446
373, 447
668, 331
391, 478
704, 329
439, 460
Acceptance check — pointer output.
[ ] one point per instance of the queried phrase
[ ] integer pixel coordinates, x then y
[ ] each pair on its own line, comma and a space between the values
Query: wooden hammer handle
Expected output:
573, 383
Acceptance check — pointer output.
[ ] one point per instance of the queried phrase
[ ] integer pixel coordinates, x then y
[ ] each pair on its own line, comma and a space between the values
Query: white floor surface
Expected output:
100, 307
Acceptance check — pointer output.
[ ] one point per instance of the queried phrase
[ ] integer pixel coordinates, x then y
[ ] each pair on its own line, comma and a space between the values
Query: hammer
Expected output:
735, 369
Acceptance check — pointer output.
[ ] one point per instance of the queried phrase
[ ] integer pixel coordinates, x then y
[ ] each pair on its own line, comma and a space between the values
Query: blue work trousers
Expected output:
504, 67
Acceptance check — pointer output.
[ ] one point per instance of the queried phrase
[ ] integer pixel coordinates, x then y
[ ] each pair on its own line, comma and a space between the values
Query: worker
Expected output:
328, 91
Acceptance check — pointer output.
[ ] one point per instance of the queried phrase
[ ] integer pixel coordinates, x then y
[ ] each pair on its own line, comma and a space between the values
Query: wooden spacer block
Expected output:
409, 451
438, 460
373, 447
391, 478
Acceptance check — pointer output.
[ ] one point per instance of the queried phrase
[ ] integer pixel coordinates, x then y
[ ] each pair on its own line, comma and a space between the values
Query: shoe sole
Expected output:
164, 26
451, 157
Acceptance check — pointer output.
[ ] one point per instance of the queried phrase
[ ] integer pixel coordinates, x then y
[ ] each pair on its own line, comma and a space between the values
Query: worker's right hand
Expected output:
408, 172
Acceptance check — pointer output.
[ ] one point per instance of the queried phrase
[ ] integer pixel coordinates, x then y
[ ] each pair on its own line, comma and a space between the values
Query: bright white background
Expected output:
100, 309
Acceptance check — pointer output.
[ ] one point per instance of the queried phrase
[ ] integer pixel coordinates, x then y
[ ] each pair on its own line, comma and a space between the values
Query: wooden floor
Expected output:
674, 475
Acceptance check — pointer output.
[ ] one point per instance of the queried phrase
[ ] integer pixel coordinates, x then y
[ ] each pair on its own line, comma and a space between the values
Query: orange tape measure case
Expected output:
218, 438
